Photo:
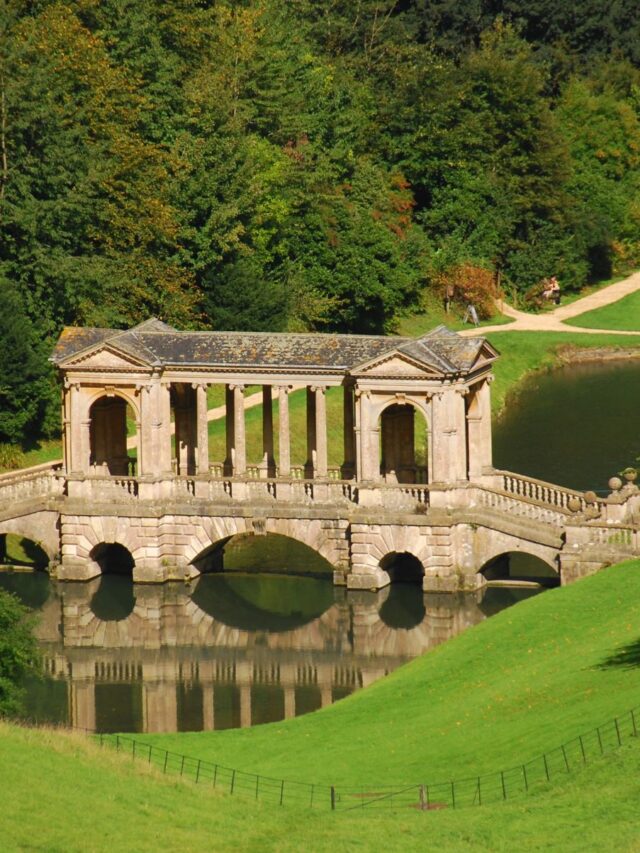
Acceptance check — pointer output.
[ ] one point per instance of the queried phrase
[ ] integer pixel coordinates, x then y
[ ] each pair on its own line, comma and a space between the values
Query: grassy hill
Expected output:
504, 691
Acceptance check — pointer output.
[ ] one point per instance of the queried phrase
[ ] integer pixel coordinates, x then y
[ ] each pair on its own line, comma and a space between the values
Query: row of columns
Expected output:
460, 431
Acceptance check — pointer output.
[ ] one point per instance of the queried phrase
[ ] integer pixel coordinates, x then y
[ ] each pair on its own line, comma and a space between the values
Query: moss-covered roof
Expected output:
155, 344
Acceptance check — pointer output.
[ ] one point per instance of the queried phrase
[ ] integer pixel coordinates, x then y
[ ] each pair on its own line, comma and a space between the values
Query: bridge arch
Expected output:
403, 567
40, 528
113, 558
520, 565
404, 445
210, 535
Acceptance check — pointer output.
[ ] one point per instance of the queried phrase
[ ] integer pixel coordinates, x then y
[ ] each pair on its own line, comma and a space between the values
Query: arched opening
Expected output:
184, 414
32, 588
16, 550
514, 567
113, 559
403, 568
111, 421
268, 554
403, 445
263, 603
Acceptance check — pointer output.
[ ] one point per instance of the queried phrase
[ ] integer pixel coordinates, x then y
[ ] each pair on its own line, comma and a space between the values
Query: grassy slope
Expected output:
500, 693
624, 314
62, 793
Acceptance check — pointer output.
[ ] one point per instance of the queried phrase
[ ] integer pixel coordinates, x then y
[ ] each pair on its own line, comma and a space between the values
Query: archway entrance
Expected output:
518, 568
403, 567
113, 559
403, 445
110, 421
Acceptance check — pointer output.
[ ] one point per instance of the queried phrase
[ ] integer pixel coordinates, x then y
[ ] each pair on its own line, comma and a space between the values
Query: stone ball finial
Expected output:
573, 503
590, 497
615, 483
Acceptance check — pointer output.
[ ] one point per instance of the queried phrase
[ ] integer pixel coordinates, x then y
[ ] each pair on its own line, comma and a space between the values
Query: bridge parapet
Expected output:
541, 492
28, 484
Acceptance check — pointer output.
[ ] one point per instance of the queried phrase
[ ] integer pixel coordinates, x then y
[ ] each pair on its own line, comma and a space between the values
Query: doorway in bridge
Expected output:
16, 550
111, 422
518, 568
403, 444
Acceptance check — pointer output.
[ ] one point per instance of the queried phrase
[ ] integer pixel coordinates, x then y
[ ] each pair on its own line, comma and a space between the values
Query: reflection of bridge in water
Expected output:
169, 665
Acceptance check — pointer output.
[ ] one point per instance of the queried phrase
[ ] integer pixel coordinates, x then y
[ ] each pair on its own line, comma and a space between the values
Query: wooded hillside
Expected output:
295, 164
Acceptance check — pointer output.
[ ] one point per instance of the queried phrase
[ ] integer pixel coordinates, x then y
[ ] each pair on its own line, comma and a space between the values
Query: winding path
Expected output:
553, 321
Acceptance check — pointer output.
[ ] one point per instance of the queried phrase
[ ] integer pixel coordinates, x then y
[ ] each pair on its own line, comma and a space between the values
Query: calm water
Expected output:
245, 648
576, 426
227, 651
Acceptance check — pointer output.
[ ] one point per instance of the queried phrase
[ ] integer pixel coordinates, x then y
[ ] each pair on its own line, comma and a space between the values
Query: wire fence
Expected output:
516, 781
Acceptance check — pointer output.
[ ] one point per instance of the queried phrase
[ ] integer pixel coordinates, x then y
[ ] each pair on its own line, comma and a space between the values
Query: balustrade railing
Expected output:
563, 499
40, 481
520, 507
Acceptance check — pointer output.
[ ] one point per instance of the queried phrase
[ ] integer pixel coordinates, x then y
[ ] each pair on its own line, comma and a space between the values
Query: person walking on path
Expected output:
471, 315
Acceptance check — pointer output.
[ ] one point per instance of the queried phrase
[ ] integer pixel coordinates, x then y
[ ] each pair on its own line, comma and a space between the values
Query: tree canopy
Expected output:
300, 165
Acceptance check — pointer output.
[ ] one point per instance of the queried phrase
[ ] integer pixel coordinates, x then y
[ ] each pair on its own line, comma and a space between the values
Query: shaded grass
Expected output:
623, 315
497, 695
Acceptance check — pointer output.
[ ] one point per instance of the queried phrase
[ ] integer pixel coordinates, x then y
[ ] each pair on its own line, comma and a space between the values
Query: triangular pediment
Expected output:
396, 364
486, 355
104, 357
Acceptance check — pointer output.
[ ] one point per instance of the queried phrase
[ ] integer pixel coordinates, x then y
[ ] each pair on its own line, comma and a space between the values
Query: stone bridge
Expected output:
415, 488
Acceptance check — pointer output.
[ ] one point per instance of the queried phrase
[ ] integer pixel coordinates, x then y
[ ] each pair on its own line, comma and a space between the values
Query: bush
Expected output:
18, 652
467, 283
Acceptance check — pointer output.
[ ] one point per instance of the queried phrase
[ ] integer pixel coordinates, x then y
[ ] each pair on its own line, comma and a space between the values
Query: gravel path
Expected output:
552, 321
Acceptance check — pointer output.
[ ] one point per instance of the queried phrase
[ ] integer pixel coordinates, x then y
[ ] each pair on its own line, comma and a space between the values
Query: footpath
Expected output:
553, 321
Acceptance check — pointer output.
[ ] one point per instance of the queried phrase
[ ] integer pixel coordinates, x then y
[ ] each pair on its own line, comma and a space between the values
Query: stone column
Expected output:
66, 428
75, 429
267, 466
163, 427
349, 430
240, 447
245, 705
145, 430
159, 706
284, 436
310, 465
321, 432
486, 449
448, 434
229, 423
474, 433
369, 467
202, 430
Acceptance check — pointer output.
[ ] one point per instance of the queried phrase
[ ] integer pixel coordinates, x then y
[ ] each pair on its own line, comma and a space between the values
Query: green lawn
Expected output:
522, 682
623, 315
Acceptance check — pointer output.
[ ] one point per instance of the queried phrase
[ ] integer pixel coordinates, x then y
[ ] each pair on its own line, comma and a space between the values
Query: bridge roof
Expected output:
156, 344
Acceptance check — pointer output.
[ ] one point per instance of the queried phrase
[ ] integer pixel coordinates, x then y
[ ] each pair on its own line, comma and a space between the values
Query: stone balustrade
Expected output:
31, 483
547, 494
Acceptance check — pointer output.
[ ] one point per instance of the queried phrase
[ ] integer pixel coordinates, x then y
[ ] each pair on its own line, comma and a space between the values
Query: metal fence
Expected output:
516, 781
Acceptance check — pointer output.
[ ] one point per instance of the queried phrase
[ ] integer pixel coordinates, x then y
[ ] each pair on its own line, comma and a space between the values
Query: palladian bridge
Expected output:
415, 494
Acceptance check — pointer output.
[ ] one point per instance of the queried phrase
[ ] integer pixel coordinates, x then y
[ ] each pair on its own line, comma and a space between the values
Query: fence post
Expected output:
617, 731
504, 788
479, 793
182, 766
526, 781
311, 800
564, 755
333, 798
546, 766
584, 754
166, 759
215, 774
600, 741
198, 771
117, 743
133, 749
150, 748
453, 794
281, 791
633, 723
233, 781
257, 785
422, 800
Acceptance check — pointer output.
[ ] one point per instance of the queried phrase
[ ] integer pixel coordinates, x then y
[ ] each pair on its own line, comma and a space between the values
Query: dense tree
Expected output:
299, 165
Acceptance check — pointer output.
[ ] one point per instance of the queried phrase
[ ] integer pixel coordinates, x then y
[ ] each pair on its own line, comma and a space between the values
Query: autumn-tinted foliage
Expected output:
301, 165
